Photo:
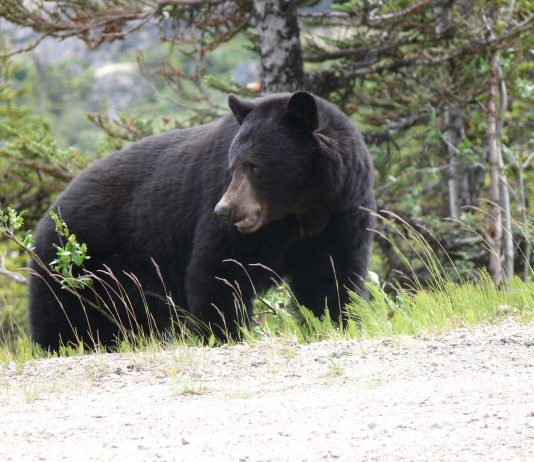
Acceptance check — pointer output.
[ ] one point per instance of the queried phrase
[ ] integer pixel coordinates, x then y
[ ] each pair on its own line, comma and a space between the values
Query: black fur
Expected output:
155, 200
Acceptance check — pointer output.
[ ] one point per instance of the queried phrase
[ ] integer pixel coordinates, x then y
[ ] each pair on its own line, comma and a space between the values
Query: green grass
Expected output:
403, 312
448, 300
441, 309
420, 311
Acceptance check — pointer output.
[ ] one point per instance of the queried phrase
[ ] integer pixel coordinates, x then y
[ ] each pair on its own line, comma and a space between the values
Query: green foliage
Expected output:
10, 223
34, 169
70, 255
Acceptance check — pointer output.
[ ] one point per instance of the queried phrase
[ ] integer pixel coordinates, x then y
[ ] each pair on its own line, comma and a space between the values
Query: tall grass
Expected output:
442, 308
449, 299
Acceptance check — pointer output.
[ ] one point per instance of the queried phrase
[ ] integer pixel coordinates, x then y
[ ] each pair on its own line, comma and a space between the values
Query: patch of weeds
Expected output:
25, 352
376, 380
191, 361
186, 385
186, 371
97, 370
71, 350
289, 352
333, 368
30, 394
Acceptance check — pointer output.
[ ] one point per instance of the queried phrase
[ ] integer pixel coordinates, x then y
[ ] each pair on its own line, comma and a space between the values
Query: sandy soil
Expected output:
467, 395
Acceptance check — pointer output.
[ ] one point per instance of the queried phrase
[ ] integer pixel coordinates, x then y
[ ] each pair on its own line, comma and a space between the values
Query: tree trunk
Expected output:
457, 179
508, 240
523, 197
280, 51
495, 267
454, 123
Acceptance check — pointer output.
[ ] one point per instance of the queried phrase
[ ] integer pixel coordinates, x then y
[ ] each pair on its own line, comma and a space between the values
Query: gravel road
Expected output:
462, 396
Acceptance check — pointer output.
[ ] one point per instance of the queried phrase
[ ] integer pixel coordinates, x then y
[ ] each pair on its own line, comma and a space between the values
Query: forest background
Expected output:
441, 89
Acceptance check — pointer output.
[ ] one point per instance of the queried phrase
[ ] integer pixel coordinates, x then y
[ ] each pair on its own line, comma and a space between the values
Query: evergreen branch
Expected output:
359, 53
492, 44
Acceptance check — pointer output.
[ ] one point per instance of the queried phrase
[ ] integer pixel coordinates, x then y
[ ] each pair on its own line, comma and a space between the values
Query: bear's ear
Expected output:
302, 110
239, 108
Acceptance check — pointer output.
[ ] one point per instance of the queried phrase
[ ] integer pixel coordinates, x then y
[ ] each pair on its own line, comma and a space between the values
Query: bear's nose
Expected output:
223, 212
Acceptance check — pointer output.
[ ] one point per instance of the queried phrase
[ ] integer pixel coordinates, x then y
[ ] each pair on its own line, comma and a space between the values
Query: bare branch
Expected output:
164, 3
398, 15
53, 170
17, 277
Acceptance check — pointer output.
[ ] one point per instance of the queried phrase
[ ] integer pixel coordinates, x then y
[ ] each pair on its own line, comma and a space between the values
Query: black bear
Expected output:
180, 219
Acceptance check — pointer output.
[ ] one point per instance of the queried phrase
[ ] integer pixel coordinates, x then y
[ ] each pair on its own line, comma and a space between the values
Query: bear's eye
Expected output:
253, 168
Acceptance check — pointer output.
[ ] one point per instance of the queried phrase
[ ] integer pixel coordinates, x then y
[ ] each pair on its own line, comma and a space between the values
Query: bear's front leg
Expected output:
322, 285
218, 292
322, 268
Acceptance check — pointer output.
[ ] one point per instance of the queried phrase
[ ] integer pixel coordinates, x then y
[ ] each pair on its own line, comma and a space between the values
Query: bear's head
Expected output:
271, 160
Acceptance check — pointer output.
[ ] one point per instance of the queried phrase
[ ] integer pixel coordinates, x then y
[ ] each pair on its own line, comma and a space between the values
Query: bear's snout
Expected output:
239, 206
246, 221
223, 212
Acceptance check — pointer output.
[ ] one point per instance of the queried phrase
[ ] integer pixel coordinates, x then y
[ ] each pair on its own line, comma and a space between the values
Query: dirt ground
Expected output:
463, 396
